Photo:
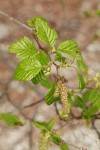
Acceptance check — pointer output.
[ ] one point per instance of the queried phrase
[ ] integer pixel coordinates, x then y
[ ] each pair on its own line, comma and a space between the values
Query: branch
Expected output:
93, 126
16, 21
9, 99
33, 104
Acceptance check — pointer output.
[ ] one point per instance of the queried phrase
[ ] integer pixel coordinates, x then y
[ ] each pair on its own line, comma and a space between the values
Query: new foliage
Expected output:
36, 66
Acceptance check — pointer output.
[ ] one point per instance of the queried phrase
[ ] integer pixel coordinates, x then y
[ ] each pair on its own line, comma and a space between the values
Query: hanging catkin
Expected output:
58, 86
61, 91
43, 140
65, 104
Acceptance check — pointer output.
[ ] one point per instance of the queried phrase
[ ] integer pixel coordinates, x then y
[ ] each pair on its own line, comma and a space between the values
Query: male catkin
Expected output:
65, 103
57, 91
61, 90
43, 140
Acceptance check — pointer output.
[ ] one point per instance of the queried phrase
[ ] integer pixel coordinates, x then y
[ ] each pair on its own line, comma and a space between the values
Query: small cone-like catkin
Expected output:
43, 140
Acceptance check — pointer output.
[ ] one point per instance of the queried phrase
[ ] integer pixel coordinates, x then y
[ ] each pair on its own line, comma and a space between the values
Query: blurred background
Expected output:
72, 19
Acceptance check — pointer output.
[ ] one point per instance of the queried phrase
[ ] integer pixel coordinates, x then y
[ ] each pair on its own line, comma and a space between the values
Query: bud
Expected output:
47, 70
53, 50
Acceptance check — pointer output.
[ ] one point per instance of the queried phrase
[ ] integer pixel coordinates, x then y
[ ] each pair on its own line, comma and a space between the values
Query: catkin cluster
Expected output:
43, 140
61, 91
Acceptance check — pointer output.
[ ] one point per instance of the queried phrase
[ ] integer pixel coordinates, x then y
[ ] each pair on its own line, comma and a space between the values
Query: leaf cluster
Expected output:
36, 66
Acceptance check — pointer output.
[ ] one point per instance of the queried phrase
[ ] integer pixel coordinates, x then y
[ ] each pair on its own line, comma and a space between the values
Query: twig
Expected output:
16, 21
9, 99
5, 89
93, 126
30, 135
33, 104
36, 39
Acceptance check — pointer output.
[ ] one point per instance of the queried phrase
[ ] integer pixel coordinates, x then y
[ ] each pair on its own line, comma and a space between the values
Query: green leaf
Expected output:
60, 58
87, 14
55, 139
44, 32
98, 12
23, 48
81, 81
27, 69
40, 76
94, 95
49, 99
10, 119
93, 109
86, 95
31, 22
46, 83
40, 125
42, 79
79, 102
69, 98
44, 125
87, 118
64, 147
80, 62
43, 58
91, 95
69, 47
50, 124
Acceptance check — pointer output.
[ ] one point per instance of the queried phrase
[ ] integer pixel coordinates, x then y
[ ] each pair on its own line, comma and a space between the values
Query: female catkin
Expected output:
43, 140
